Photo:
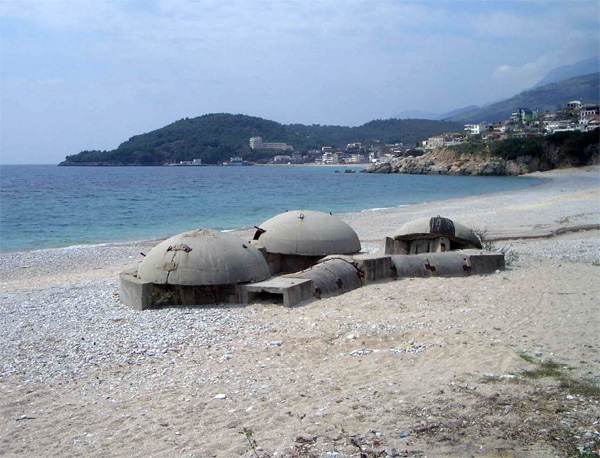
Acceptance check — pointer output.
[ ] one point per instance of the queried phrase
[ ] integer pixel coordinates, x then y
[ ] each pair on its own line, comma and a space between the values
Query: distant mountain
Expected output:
585, 67
550, 97
458, 111
215, 138
420, 114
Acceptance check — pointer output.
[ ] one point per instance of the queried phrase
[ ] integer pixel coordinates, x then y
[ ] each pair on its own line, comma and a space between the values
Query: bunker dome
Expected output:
435, 234
203, 257
297, 239
307, 233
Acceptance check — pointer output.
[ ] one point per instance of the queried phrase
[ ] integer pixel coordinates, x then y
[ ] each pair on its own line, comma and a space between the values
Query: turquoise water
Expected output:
45, 206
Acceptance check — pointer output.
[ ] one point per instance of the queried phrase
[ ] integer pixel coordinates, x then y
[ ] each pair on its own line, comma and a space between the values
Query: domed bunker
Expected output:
431, 235
197, 267
297, 239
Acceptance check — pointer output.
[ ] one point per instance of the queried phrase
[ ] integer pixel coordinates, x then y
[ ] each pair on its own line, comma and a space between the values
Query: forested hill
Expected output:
215, 138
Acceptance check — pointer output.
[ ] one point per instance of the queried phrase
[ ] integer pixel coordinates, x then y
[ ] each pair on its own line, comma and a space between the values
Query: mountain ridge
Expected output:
550, 97
584, 67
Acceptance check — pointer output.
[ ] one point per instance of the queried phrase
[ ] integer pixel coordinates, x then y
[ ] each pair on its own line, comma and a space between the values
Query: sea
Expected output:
46, 206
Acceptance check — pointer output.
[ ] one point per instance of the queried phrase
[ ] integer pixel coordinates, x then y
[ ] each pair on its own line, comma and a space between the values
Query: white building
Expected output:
256, 143
282, 146
475, 129
192, 162
435, 142
357, 159
330, 158
574, 104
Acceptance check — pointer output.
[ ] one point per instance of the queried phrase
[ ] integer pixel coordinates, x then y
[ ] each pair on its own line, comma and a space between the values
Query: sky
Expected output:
89, 74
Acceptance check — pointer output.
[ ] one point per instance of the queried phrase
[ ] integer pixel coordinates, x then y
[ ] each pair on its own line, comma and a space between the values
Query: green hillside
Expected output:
215, 138
551, 97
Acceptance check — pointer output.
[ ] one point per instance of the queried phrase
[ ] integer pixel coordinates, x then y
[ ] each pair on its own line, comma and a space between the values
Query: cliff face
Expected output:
447, 161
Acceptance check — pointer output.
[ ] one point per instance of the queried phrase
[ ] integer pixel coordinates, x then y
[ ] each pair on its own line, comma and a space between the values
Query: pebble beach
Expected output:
415, 367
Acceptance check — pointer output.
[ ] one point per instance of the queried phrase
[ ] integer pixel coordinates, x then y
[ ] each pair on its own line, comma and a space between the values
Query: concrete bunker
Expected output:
298, 239
317, 254
193, 268
431, 235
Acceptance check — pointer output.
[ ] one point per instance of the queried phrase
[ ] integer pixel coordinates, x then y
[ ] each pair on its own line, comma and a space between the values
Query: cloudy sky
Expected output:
89, 74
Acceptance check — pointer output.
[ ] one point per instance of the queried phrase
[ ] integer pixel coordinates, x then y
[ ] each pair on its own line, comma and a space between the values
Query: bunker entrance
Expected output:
265, 297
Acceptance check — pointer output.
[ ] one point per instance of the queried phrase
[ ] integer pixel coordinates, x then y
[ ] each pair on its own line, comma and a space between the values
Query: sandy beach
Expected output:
501, 365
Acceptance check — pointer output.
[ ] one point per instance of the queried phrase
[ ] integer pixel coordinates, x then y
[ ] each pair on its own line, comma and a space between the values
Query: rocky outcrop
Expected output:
446, 161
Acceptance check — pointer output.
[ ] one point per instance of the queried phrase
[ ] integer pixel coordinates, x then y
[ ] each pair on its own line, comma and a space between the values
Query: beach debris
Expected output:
221, 396
363, 352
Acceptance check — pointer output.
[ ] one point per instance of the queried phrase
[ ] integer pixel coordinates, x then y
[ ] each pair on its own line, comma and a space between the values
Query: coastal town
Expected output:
576, 116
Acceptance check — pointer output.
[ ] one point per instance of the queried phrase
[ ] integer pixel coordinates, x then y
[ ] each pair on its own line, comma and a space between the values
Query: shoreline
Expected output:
244, 230
533, 212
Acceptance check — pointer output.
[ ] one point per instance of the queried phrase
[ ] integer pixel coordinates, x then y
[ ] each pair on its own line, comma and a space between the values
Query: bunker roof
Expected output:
307, 233
203, 257
437, 226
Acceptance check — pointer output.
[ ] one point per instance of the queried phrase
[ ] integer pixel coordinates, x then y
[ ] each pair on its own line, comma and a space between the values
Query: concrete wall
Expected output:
331, 277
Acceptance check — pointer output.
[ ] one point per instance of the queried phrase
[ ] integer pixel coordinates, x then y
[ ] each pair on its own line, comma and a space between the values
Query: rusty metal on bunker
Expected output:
438, 226
441, 225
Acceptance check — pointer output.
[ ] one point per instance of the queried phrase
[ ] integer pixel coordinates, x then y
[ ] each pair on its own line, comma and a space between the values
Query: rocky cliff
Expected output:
486, 161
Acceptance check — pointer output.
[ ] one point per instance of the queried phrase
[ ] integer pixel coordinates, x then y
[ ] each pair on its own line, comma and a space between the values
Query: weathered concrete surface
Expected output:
485, 263
203, 257
142, 295
331, 277
292, 290
460, 263
307, 233
407, 266
133, 292
371, 267
451, 264
287, 263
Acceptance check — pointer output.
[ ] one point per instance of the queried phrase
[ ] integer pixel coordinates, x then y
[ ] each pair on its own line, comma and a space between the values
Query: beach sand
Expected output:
452, 367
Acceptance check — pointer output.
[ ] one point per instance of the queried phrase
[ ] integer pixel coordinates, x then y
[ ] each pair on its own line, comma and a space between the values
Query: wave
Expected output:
376, 209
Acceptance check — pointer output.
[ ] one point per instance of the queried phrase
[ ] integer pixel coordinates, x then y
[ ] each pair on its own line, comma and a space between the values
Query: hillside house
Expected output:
589, 122
588, 110
476, 129
523, 116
